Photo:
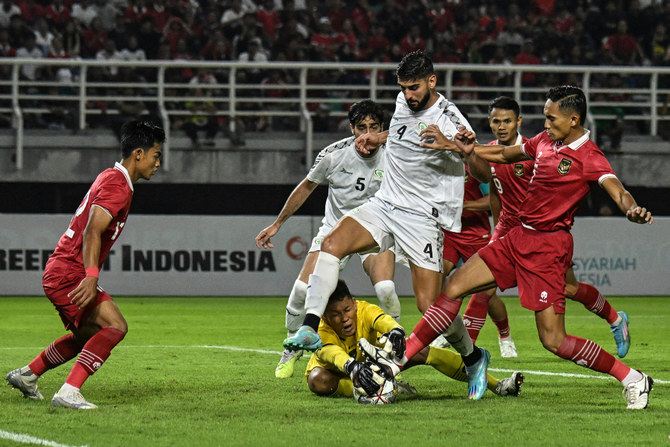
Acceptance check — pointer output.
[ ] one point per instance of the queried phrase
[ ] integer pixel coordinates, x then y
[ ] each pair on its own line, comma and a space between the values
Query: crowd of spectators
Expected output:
567, 32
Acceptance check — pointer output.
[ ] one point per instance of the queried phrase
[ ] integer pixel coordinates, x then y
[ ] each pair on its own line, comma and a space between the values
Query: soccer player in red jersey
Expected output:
475, 234
536, 255
71, 274
510, 183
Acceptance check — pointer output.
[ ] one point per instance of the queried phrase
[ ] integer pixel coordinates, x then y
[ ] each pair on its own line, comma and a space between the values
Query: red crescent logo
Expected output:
296, 248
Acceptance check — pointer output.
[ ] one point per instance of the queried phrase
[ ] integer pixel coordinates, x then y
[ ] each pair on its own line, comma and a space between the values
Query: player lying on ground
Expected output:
331, 369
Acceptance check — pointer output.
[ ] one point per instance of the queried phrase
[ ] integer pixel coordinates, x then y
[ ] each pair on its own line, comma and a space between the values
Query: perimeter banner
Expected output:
217, 256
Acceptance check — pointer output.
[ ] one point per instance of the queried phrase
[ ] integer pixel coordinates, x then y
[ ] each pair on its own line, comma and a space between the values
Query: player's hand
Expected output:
465, 140
364, 376
263, 238
394, 342
368, 142
432, 138
639, 215
85, 292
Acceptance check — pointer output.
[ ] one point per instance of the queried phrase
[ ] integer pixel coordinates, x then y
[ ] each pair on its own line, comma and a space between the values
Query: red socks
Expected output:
435, 321
94, 353
60, 351
591, 298
588, 354
474, 316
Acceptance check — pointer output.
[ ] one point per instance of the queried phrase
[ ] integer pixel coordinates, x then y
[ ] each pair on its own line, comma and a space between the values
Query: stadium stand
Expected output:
150, 51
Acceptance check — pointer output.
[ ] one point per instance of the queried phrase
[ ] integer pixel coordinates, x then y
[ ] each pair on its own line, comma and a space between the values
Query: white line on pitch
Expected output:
266, 351
27, 439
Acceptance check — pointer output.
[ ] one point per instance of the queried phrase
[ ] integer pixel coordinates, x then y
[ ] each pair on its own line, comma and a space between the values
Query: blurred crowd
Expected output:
567, 32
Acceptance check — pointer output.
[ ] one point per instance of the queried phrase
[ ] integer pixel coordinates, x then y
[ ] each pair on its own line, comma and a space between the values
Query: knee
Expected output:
571, 290
120, 325
551, 343
450, 288
321, 382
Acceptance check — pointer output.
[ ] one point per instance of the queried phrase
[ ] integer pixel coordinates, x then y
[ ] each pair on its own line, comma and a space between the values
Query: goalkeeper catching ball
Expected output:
333, 369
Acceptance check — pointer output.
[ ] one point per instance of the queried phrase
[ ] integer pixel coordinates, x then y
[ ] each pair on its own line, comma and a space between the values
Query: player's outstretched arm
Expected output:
98, 221
626, 202
293, 203
368, 142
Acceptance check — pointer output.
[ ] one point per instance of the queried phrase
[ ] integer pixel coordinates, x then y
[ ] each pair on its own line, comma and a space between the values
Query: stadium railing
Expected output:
299, 89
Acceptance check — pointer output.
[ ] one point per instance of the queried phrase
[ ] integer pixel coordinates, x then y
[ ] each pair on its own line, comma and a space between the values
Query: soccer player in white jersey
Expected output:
422, 192
352, 179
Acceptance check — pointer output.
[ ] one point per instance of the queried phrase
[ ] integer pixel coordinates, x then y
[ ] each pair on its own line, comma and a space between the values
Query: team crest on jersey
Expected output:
518, 169
467, 176
421, 126
379, 174
564, 166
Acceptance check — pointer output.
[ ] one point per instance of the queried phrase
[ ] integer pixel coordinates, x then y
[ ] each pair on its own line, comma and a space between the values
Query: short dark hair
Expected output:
569, 99
340, 293
415, 65
362, 109
505, 103
137, 133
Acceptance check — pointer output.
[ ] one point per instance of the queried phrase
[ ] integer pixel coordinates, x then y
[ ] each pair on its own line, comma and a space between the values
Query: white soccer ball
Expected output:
385, 394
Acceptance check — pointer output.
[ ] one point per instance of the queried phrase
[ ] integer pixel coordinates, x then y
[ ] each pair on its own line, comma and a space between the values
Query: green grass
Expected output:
174, 382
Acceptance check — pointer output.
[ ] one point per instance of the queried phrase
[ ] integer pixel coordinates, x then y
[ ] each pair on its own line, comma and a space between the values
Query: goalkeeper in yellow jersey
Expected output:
333, 369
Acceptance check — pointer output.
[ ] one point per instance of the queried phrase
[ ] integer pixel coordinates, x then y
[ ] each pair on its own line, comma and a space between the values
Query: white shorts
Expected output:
324, 230
416, 236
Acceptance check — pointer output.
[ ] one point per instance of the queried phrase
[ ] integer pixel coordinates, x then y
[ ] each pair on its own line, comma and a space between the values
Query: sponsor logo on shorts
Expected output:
518, 169
564, 166
543, 296
435, 213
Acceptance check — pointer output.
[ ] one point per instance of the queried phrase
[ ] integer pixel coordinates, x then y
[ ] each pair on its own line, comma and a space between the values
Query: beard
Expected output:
418, 106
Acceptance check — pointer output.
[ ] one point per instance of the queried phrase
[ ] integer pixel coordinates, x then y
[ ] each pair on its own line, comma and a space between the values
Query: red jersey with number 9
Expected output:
112, 190
511, 183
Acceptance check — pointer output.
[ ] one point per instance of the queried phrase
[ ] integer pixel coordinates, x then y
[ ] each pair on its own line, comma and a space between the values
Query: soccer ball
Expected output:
385, 394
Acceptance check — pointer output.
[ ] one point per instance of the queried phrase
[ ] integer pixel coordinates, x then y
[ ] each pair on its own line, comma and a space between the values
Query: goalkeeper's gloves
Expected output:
394, 342
364, 376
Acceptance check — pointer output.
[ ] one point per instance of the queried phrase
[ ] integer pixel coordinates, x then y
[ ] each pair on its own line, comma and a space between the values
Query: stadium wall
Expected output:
216, 256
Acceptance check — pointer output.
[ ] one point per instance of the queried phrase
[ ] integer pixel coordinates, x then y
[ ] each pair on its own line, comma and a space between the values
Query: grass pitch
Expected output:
200, 372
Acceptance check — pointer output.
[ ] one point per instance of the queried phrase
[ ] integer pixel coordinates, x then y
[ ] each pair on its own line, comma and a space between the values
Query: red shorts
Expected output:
503, 226
456, 247
57, 291
536, 261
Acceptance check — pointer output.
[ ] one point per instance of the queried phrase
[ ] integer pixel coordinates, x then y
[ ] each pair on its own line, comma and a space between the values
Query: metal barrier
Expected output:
301, 87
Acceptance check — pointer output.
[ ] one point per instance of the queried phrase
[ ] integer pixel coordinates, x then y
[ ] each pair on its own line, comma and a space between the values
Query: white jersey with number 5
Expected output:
352, 179
422, 180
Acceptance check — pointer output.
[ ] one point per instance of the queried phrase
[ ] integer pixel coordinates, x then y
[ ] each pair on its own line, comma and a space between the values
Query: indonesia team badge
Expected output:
564, 166
518, 169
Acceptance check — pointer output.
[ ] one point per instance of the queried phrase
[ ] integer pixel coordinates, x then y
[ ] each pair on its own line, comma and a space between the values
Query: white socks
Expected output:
388, 298
295, 308
322, 283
